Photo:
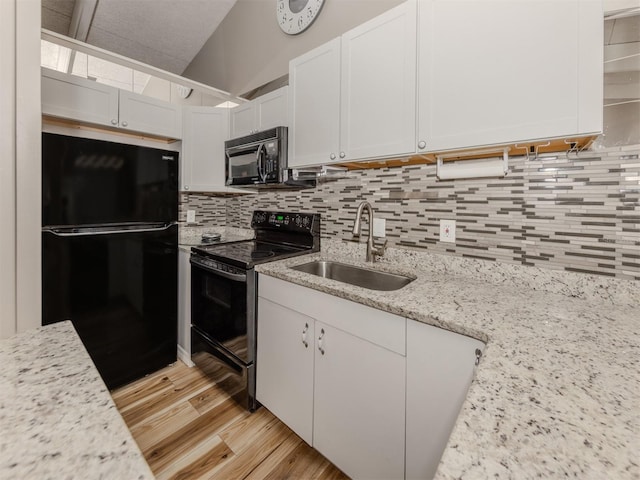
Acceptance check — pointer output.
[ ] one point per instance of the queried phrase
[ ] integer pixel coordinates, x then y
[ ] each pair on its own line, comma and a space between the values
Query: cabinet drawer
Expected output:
380, 328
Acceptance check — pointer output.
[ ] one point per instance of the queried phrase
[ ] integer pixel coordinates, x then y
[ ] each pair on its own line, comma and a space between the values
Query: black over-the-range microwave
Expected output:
260, 160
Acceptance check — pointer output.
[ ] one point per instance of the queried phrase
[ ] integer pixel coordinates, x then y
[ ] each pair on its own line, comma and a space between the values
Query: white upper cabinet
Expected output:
267, 111
492, 72
145, 114
203, 158
314, 79
354, 97
378, 86
76, 98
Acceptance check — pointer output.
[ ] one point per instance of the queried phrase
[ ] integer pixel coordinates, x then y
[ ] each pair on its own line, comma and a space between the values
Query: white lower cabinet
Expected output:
375, 393
284, 383
440, 367
335, 387
359, 404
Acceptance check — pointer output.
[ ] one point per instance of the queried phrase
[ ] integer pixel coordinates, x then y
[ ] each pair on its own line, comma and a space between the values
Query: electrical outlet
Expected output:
191, 216
448, 231
379, 226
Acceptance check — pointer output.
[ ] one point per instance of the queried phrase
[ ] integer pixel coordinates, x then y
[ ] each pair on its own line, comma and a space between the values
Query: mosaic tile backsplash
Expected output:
578, 213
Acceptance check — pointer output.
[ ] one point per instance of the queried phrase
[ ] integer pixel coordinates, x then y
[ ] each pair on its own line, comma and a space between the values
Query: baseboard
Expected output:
185, 357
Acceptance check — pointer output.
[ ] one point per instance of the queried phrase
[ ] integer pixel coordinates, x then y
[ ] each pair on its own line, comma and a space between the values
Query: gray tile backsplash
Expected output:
577, 213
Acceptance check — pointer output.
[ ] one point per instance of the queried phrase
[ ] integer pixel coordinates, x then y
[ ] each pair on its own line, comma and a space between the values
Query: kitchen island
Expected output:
57, 418
557, 391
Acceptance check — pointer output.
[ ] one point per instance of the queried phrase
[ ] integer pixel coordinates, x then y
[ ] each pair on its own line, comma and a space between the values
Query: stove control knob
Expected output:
298, 220
286, 220
305, 222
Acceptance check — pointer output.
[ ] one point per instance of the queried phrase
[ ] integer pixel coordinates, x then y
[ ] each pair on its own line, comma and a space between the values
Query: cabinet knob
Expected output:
332, 156
124, 124
186, 187
422, 144
320, 346
342, 154
114, 121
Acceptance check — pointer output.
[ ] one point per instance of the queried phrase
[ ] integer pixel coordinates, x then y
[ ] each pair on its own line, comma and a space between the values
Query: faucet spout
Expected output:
357, 229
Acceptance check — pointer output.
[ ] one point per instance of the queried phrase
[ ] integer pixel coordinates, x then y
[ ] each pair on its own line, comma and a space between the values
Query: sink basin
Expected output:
361, 277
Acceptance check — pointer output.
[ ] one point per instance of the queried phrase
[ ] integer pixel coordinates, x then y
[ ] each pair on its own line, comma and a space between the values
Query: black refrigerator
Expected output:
110, 251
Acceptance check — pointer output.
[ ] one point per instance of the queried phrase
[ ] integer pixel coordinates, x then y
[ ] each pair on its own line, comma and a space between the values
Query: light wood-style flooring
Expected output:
189, 428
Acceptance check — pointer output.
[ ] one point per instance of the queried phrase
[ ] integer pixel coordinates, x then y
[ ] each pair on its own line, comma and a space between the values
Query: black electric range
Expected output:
224, 296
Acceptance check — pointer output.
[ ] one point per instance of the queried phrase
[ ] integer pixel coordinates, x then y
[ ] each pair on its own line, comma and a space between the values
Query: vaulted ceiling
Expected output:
164, 33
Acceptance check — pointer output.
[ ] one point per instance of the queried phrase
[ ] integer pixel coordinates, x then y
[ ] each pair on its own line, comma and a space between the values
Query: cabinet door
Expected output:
205, 131
359, 405
148, 115
314, 82
243, 120
378, 103
272, 109
495, 72
68, 96
284, 366
440, 367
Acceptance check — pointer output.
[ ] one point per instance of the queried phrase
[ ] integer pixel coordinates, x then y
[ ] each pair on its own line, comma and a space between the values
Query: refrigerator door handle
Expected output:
86, 231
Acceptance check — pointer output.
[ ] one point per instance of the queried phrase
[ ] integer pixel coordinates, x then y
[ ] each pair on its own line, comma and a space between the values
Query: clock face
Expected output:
295, 16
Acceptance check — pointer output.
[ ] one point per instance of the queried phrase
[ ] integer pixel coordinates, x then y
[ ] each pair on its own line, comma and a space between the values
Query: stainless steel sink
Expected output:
361, 277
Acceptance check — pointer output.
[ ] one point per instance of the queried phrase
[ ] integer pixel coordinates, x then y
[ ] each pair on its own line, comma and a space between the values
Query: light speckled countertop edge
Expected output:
57, 417
552, 396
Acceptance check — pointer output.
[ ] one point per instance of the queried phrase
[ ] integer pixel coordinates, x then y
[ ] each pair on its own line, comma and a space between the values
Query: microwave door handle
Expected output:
259, 160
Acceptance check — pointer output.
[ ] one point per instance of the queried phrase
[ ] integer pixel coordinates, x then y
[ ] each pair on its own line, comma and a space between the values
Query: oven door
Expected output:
223, 308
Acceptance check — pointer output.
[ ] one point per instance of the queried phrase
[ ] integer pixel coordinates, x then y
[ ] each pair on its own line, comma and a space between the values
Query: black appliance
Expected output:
224, 297
259, 160
110, 251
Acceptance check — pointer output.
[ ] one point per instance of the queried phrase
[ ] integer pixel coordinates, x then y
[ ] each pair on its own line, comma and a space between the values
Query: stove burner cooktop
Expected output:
248, 253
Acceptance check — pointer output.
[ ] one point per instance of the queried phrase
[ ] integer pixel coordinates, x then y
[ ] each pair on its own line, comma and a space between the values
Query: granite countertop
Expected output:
57, 418
557, 393
189, 236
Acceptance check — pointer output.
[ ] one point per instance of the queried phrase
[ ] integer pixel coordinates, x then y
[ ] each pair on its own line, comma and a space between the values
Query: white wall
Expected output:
7, 170
248, 49
20, 179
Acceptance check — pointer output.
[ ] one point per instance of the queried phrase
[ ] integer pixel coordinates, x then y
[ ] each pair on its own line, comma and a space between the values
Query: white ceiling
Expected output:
164, 33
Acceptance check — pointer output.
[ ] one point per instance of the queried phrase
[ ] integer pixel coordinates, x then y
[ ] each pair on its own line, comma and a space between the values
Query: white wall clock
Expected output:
295, 16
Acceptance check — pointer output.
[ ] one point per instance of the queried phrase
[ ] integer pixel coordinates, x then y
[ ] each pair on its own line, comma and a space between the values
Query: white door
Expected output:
440, 367
359, 405
243, 120
140, 113
76, 98
284, 366
378, 103
495, 72
314, 82
203, 158
272, 109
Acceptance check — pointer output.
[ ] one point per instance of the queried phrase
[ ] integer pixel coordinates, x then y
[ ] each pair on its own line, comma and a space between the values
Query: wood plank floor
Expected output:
189, 428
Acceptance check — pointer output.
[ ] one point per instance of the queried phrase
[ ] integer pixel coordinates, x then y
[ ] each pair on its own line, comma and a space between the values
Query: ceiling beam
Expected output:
135, 65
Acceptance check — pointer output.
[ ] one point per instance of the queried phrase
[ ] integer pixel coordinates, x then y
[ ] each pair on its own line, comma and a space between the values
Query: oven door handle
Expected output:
236, 277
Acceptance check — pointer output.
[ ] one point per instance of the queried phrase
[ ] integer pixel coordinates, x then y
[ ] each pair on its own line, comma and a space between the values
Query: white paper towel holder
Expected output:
479, 168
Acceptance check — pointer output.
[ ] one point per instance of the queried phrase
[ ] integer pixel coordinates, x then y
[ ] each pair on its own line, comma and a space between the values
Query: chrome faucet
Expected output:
372, 251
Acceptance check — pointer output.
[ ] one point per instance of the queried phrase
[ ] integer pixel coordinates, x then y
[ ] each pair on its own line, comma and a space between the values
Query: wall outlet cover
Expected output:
191, 216
448, 231
379, 227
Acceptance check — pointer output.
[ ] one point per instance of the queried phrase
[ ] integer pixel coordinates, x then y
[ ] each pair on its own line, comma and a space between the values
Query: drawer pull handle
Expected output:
304, 335
320, 347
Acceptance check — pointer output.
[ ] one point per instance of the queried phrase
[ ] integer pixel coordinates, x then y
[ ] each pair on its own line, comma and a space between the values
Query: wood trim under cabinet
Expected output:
49, 120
